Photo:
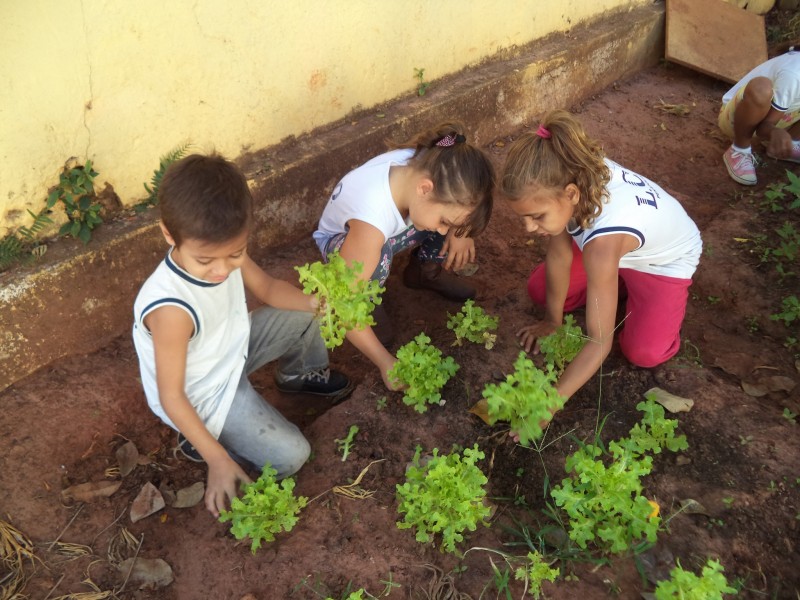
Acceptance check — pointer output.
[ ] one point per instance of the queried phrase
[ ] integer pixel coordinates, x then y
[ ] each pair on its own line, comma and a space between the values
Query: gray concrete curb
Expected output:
80, 298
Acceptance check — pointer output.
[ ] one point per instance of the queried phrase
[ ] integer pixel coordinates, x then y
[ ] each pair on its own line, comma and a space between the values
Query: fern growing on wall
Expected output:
155, 181
22, 245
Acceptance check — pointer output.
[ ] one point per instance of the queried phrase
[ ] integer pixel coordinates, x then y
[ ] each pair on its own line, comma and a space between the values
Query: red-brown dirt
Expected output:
62, 425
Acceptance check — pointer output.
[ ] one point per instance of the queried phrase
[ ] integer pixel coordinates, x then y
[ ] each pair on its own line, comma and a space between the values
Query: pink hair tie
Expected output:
543, 132
451, 140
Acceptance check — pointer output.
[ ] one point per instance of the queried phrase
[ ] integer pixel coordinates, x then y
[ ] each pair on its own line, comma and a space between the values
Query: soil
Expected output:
63, 425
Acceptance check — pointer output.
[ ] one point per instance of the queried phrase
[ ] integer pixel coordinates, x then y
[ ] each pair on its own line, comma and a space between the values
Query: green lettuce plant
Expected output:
562, 346
473, 324
604, 499
422, 369
685, 585
443, 495
346, 301
526, 399
266, 507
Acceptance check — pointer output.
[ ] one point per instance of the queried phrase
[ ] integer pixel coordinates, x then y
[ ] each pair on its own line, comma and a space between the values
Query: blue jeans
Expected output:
254, 429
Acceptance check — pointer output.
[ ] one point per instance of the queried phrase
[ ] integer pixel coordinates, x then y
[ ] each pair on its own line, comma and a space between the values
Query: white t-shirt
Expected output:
784, 73
364, 194
669, 241
217, 349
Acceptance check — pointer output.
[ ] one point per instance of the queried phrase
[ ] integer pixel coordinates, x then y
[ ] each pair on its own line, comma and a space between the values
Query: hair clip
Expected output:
446, 141
543, 132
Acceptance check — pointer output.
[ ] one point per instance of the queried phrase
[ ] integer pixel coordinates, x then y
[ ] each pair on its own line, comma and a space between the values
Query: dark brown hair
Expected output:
204, 198
461, 173
567, 156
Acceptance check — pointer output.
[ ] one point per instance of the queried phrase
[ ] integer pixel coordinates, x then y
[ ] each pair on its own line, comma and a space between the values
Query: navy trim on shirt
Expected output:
607, 230
172, 301
184, 275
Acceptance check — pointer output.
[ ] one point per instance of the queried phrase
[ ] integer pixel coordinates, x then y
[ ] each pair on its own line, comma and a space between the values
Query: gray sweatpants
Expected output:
254, 429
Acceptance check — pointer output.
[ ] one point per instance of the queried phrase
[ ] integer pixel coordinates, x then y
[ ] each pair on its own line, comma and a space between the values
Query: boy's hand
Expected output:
529, 336
225, 477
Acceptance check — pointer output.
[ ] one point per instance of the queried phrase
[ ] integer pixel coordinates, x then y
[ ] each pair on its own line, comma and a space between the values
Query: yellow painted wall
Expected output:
122, 83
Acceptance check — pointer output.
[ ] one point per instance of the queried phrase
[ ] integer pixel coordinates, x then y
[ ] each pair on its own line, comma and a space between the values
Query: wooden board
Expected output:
715, 38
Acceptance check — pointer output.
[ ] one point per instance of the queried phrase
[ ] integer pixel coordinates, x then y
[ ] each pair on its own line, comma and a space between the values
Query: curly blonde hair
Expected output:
567, 156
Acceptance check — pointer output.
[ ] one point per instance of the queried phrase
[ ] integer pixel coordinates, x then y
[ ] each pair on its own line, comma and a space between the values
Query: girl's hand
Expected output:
529, 336
391, 384
459, 251
224, 479
780, 143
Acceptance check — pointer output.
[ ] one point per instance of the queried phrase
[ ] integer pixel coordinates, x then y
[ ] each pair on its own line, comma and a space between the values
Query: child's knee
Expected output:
293, 457
649, 355
759, 91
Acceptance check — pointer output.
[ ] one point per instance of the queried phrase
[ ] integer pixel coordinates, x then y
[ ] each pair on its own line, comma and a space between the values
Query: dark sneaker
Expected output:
188, 451
320, 382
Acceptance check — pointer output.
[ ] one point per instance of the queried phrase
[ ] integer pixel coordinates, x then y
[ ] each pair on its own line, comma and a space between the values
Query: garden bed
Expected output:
62, 425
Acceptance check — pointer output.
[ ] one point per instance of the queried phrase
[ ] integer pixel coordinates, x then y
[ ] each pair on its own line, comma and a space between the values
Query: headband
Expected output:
451, 140
543, 132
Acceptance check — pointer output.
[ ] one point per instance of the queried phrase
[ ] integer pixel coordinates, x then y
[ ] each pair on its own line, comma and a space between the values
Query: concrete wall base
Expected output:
77, 299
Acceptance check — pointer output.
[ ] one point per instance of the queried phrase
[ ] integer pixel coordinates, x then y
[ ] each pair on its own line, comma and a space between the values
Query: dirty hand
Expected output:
459, 251
514, 435
224, 479
780, 143
391, 383
529, 336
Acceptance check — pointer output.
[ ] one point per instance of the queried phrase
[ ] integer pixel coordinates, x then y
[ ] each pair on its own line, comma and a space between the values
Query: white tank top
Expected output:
668, 240
217, 349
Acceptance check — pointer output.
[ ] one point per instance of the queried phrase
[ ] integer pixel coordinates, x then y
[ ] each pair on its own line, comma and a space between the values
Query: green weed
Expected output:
75, 191
422, 85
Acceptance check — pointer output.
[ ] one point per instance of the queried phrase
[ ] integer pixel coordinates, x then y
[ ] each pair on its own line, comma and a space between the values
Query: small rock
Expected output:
682, 460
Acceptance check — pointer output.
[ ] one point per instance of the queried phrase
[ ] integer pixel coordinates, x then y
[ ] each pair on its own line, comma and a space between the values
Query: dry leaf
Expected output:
671, 402
150, 573
91, 491
778, 383
127, 458
738, 364
754, 389
468, 270
148, 501
693, 507
190, 496
481, 409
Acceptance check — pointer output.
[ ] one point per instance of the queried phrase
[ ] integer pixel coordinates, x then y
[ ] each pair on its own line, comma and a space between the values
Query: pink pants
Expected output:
655, 309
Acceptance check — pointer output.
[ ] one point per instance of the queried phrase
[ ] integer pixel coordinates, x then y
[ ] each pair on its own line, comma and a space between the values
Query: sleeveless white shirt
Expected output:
669, 241
364, 194
217, 349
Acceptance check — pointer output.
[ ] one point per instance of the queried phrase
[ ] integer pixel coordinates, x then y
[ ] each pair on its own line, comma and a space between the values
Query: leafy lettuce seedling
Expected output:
563, 345
473, 324
683, 584
604, 500
526, 399
421, 367
346, 444
265, 508
444, 495
346, 301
